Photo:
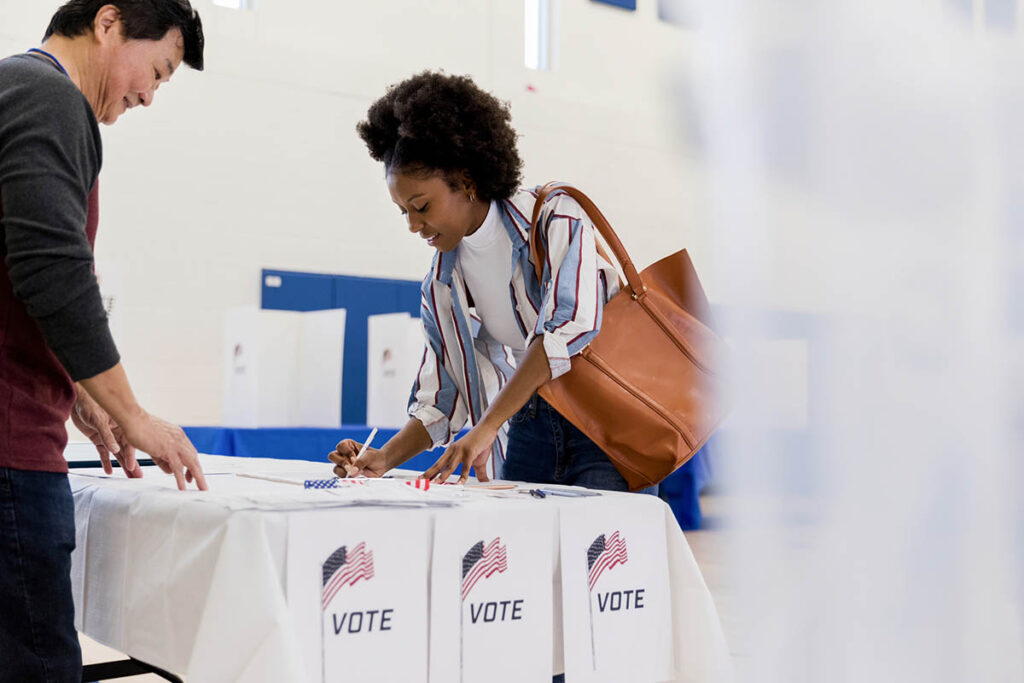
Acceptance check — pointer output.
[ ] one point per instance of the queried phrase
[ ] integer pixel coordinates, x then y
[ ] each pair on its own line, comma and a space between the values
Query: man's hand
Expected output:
472, 449
374, 462
164, 442
170, 449
106, 435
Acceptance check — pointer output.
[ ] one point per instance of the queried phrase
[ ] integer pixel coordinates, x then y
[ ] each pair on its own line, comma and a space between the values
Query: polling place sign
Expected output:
490, 600
358, 594
615, 591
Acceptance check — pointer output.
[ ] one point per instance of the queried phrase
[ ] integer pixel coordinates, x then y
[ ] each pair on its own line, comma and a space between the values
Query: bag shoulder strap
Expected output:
600, 222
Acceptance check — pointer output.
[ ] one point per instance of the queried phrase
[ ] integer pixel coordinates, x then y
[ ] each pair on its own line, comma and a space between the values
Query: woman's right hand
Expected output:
373, 463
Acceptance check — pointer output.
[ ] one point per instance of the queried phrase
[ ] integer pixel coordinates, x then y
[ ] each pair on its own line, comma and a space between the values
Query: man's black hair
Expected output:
141, 19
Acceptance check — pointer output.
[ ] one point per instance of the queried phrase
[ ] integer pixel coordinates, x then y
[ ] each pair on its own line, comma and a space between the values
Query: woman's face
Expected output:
437, 213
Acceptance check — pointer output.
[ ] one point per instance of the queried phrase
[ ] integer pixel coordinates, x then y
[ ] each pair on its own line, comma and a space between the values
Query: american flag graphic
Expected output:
343, 568
604, 554
482, 562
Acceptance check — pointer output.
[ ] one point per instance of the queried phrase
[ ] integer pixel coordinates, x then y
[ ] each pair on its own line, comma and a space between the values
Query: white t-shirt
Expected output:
485, 261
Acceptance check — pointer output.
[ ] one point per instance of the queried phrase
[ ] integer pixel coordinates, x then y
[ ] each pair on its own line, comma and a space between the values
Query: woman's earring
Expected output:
472, 197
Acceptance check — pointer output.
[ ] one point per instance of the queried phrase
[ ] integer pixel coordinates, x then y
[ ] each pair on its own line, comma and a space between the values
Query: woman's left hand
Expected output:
472, 449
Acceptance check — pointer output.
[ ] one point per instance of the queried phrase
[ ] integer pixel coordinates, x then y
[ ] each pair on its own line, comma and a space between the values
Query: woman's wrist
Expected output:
390, 457
493, 423
410, 441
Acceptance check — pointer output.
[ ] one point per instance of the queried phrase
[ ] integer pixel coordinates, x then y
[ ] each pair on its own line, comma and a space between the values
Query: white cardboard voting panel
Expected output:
358, 595
394, 350
615, 591
283, 368
491, 595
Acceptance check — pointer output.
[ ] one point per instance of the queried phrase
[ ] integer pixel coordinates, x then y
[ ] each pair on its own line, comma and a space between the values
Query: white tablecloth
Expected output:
195, 582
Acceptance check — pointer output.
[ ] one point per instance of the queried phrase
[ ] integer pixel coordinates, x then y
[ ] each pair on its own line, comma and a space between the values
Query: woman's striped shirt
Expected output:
464, 367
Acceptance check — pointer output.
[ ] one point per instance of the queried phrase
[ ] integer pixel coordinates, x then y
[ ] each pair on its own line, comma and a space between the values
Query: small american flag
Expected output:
481, 563
605, 554
344, 568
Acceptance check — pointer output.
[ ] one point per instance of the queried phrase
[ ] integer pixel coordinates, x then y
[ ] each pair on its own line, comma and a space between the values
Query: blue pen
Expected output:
566, 493
544, 493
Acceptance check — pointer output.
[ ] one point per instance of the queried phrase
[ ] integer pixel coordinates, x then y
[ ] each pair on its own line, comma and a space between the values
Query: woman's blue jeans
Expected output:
38, 641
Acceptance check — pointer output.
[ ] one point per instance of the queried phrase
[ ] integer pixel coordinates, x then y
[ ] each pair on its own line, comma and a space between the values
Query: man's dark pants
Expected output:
38, 641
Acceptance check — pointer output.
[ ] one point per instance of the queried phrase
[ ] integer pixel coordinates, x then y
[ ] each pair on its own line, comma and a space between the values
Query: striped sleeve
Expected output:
574, 290
435, 401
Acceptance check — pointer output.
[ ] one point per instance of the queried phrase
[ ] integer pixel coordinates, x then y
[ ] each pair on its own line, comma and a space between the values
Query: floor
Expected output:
709, 548
93, 652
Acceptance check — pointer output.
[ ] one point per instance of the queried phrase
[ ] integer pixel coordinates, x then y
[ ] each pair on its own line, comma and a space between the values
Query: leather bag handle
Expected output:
633, 278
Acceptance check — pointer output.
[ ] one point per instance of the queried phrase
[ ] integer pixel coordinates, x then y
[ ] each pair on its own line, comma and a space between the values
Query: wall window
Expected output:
235, 4
538, 34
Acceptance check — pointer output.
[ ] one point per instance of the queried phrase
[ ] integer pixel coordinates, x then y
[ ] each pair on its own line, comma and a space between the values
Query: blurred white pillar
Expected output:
864, 166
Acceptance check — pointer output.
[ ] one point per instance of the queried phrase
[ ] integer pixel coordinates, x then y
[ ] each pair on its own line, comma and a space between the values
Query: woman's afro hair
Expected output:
433, 122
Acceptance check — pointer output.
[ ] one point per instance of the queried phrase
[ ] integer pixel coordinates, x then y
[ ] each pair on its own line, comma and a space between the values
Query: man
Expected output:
57, 357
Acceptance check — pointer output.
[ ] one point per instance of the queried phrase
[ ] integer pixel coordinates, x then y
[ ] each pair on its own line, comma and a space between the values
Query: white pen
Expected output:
366, 444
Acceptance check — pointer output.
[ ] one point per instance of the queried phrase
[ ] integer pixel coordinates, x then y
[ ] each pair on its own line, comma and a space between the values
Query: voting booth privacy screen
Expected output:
283, 368
361, 298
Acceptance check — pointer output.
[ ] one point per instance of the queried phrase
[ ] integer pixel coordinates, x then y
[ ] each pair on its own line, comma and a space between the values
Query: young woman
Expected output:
494, 333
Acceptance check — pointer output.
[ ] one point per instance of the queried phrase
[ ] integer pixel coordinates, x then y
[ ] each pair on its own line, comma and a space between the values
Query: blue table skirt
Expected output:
680, 490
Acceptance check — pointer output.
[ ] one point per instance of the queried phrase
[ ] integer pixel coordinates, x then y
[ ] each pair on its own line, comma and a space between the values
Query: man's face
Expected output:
134, 69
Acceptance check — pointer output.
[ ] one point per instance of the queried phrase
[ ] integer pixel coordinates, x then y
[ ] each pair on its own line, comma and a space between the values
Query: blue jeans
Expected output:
38, 641
545, 448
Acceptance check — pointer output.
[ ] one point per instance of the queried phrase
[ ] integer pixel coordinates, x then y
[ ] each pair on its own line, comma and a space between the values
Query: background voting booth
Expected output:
266, 577
394, 348
360, 297
283, 368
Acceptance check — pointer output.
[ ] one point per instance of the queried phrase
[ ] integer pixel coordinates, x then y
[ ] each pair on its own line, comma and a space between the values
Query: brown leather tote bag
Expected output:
645, 390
